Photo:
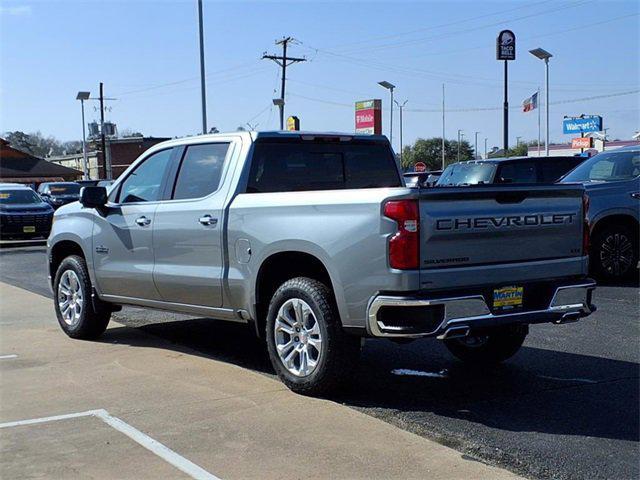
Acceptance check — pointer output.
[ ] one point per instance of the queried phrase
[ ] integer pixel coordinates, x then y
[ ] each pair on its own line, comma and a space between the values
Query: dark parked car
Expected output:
612, 182
508, 170
59, 193
23, 214
422, 179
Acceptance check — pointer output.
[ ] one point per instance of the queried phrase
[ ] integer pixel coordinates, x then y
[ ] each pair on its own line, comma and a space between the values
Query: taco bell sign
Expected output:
506, 45
369, 117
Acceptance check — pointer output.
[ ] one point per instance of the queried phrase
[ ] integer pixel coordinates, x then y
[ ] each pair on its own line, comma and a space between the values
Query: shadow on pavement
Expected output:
539, 390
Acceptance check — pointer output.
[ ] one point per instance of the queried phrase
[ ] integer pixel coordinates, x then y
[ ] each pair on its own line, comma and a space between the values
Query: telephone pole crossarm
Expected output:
283, 61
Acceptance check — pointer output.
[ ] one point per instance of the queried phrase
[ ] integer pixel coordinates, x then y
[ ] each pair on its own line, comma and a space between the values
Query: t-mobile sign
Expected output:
369, 117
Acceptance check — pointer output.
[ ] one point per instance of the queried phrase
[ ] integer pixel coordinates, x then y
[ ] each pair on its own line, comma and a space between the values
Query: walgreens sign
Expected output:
369, 117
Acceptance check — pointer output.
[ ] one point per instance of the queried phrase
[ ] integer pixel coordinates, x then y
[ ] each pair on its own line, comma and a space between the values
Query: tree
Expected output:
429, 151
35, 144
129, 132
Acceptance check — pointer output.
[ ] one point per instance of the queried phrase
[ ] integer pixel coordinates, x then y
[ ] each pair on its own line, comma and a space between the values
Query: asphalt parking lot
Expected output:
566, 406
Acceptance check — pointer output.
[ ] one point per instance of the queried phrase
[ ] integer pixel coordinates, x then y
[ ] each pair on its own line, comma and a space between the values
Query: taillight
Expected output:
404, 246
585, 225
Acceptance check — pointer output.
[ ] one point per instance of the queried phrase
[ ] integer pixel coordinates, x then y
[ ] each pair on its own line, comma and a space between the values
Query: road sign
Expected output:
293, 123
506, 45
369, 117
420, 167
582, 142
587, 123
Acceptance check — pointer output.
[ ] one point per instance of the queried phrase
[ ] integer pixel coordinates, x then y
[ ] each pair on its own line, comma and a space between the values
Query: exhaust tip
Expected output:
454, 332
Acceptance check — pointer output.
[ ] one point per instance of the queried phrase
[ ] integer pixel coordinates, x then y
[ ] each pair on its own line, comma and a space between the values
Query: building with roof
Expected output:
121, 152
17, 166
564, 149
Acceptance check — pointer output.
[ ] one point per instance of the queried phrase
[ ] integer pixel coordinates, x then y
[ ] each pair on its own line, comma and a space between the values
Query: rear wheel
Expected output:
615, 253
78, 315
492, 347
307, 346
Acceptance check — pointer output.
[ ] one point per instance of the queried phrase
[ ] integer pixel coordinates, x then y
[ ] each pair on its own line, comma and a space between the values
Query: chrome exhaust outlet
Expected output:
454, 332
568, 318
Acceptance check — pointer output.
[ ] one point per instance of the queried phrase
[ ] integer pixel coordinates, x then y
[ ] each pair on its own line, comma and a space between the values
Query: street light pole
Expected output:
390, 87
485, 148
82, 96
202, 84
459, 136
475, 146
443, 145
401, 106
546, 101
544, 55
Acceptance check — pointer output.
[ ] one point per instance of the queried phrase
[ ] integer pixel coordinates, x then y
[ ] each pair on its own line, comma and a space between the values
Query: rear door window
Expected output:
200, 171
517, 172
308, 165
552, 169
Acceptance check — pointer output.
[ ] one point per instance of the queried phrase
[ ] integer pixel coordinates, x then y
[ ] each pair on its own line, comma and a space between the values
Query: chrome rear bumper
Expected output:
458, 315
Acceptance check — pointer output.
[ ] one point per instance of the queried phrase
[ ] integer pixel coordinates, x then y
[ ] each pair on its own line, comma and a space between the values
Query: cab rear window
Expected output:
308, 165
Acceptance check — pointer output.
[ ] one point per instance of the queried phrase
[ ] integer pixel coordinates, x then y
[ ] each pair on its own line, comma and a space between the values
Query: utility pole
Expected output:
283, 61
443, 126
202, 84
401, 106
107, 173
475, 146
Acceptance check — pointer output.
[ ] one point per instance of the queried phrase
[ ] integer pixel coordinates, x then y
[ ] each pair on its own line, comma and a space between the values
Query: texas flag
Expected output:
530, 103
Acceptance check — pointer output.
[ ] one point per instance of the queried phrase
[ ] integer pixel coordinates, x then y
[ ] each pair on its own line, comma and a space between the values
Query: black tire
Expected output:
492, 347
339, 352
616, 240
93, 319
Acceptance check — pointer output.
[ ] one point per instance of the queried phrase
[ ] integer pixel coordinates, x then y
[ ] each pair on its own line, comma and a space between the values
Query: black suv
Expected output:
508, 170
59, 193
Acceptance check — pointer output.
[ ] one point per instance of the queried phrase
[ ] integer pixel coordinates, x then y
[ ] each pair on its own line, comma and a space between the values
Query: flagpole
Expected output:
538, 107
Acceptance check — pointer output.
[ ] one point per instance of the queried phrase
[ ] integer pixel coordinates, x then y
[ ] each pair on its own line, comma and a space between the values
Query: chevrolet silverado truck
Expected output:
315, 242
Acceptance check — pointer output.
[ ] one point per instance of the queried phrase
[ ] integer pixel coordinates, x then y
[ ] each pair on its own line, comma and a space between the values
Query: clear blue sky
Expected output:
146, 53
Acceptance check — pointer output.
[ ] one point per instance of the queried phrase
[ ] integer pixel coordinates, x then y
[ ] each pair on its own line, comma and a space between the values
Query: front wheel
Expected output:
307, 346
492, 347
77, 314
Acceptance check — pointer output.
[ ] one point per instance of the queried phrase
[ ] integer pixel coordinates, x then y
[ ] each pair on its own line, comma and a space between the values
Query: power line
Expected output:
283, 61
470, 19
476, 109
186, 80
557, 32
472, 29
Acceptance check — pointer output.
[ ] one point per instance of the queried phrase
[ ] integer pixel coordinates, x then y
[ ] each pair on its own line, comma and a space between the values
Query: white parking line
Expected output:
6, 357
168, 455
419, 373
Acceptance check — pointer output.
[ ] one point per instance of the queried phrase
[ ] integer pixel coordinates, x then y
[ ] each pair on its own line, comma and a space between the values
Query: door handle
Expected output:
143, 221
208, 220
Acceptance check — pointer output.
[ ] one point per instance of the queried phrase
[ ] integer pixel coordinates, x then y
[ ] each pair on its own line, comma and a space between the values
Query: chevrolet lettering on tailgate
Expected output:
507, 221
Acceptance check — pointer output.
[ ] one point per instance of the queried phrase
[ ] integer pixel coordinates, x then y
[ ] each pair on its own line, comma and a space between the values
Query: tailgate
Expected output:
491, 225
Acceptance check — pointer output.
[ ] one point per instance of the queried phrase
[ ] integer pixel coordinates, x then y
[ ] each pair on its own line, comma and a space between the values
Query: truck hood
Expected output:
26, 208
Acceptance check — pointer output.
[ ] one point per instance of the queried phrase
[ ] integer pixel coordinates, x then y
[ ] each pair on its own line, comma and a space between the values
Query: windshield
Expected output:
10, 197
607, 167
467, 174
65, 188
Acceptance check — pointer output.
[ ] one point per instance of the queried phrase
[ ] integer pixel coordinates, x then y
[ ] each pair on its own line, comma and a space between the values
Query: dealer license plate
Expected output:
507, 297
29, 229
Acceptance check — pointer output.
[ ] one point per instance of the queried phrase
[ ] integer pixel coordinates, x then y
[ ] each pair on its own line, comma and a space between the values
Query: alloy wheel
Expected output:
298, 338
70, 298
616, 254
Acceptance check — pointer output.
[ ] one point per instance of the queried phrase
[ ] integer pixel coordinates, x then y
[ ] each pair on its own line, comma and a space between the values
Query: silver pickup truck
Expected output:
315, 241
